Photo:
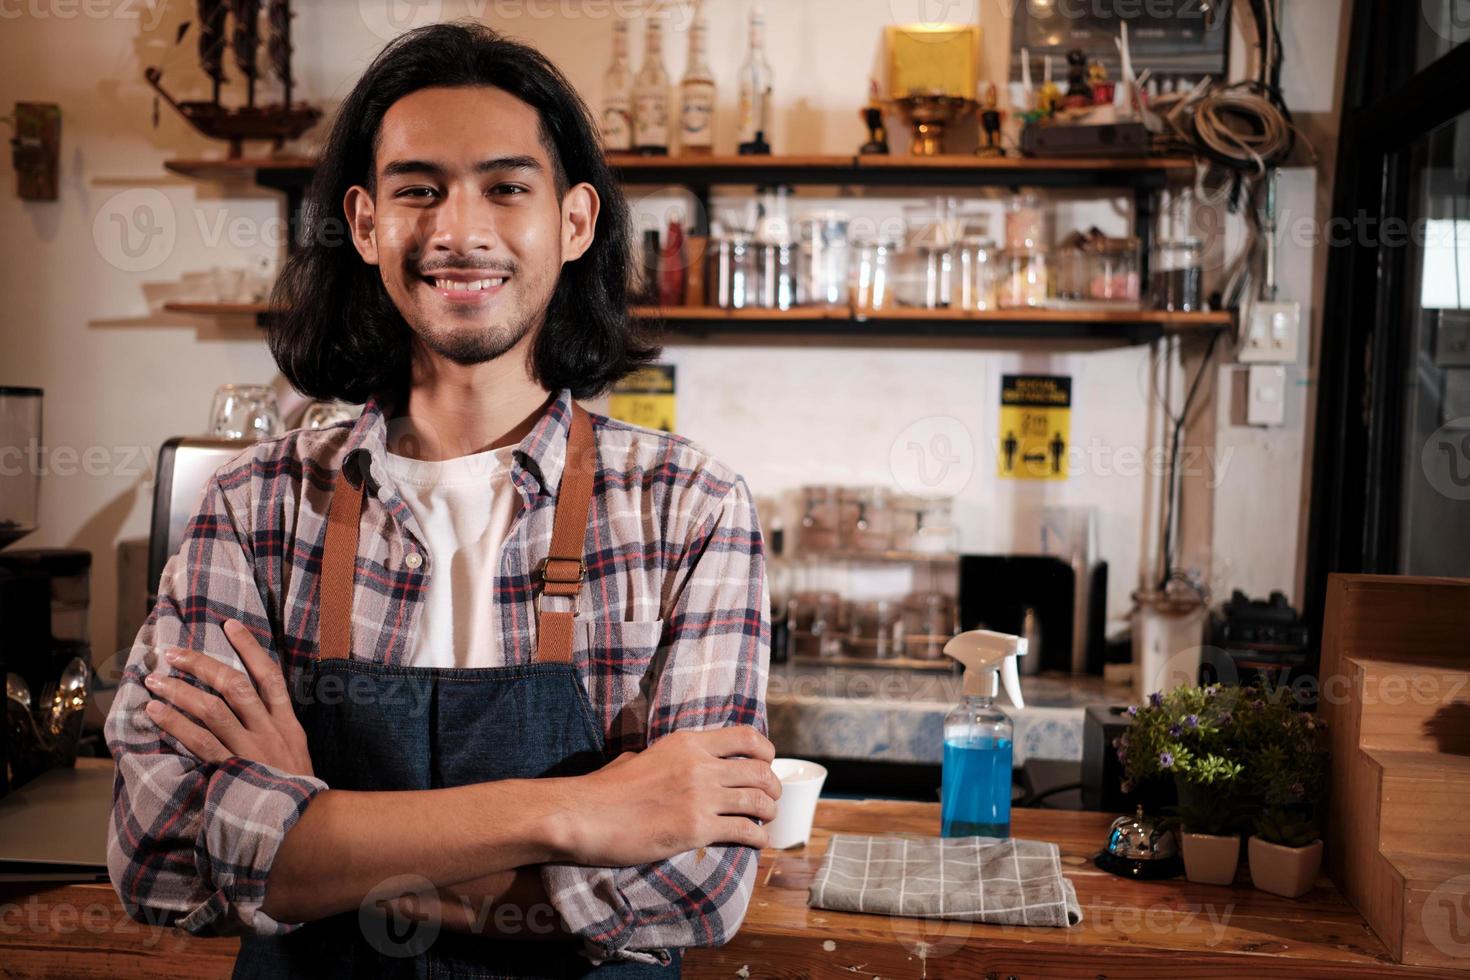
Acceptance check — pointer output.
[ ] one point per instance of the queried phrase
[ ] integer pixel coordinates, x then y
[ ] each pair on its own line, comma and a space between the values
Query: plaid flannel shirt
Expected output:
673, 633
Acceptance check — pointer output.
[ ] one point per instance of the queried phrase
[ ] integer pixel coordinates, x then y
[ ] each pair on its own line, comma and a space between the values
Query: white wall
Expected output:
82, 317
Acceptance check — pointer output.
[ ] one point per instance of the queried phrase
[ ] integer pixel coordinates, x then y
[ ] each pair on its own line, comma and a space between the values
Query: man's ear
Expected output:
358, 206
579, 210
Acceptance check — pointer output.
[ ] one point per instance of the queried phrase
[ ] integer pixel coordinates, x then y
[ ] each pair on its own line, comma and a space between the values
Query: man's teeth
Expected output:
468, 287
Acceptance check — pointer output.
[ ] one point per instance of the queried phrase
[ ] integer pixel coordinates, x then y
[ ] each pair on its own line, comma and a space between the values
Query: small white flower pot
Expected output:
1281, 870
1210, 859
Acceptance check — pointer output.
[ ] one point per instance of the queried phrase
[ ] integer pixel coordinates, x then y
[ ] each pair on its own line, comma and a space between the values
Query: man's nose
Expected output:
464, 223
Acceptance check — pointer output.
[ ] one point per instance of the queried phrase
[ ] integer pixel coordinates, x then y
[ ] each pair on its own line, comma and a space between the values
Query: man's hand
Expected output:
254, 720
686, 791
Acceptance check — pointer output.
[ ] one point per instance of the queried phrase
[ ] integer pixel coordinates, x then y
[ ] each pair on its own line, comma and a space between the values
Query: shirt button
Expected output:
413, 560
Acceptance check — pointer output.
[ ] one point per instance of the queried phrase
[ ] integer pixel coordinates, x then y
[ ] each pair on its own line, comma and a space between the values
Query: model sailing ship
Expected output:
235, 24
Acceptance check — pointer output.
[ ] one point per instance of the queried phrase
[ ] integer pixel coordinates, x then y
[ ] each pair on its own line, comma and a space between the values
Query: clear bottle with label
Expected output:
651, 96
756, 85
697, 93
617, 101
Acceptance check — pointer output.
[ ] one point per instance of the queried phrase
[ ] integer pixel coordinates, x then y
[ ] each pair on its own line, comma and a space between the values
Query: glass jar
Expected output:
731, 273
873, 271
814, 622
1176, 276
975, 274
871, 630
1025, 223
865, 519
1023, 282
927, 273
1100, 270
819, 520
777, 277
928, 621
824, 275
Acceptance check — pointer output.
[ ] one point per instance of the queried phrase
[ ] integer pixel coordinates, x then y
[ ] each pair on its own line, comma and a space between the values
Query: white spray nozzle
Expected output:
984, 654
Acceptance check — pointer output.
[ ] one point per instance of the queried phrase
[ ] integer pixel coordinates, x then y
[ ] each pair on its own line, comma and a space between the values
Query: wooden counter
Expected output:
1166, 929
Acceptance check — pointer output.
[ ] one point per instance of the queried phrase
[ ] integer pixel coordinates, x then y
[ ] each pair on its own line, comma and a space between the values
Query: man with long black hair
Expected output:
479, 651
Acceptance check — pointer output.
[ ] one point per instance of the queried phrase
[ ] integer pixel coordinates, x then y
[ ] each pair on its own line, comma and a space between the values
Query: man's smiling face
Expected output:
465, 220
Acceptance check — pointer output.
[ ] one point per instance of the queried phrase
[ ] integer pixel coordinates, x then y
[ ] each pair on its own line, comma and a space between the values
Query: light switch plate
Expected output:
1267, 402
1271, 334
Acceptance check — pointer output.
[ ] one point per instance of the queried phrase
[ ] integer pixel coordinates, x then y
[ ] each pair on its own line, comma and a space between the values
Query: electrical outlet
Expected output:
1272, 332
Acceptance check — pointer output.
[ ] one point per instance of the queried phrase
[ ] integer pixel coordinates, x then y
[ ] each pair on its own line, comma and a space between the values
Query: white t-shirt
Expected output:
465, 507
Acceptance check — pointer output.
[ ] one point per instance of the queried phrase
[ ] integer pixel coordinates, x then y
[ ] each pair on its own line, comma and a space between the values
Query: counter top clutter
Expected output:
1167, 928
897, 715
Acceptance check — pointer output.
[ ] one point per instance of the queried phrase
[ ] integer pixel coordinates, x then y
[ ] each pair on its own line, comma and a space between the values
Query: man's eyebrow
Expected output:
405, 168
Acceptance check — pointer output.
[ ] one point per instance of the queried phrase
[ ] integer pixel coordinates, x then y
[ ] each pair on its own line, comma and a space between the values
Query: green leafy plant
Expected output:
1230, 751
1280, 825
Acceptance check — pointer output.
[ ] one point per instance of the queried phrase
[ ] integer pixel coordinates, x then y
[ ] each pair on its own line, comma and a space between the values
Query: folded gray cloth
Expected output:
977, 879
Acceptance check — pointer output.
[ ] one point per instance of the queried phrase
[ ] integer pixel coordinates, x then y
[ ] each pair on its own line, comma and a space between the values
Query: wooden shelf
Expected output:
957, 170
205, 308
1047, 327
287, 172
1100, 327
239, 167
910, 557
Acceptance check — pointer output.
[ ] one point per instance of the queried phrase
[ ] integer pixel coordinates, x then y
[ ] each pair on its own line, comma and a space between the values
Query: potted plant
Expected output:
1285, 772
1285, 853
1187, 735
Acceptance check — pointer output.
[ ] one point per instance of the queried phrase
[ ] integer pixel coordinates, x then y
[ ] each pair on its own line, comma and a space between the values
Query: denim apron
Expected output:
373, 726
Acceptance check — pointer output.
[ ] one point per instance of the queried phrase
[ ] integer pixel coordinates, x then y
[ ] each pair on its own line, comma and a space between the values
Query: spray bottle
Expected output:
976, 797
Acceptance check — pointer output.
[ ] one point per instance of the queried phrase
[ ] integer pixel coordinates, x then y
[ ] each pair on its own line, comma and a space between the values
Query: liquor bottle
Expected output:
651, 96
697, 93
617, 103
756, 80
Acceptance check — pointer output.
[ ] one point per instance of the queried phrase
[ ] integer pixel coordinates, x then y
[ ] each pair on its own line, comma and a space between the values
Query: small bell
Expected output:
1141, 847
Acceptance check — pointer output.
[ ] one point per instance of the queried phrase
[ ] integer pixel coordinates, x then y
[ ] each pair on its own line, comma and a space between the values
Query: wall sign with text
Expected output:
1035, 427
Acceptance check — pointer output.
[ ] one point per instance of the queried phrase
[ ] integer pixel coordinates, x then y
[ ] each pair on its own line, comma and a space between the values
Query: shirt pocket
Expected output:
616, 661
618, 644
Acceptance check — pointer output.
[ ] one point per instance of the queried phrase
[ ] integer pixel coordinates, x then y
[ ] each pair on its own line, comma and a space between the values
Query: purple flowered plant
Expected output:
1166, 760
1191, 722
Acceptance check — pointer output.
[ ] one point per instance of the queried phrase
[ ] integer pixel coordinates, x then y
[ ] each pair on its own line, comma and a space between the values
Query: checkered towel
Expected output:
977, 879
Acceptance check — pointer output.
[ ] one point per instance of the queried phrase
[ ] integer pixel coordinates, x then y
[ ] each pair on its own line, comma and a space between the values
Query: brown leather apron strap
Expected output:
560, 574
563, 570
339, 562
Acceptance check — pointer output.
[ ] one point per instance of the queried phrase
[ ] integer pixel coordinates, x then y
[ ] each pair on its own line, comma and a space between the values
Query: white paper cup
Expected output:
801, 786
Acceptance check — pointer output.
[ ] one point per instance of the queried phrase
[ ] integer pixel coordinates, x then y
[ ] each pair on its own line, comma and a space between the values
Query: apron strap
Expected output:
563, 570
560, 574
339, 562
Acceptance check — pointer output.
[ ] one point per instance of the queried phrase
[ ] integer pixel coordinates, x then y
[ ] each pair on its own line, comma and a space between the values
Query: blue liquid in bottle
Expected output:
976, 797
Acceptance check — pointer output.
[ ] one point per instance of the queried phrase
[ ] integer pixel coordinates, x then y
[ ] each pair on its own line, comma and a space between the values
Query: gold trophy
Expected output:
928, 115
932, 74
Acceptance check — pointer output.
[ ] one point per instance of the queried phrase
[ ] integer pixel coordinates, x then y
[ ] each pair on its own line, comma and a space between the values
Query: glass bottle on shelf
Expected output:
617, 99
756, 85
697, 93
651, 96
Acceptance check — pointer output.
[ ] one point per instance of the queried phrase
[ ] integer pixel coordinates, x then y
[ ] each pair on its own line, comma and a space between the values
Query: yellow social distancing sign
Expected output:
646, 398
1035, 427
